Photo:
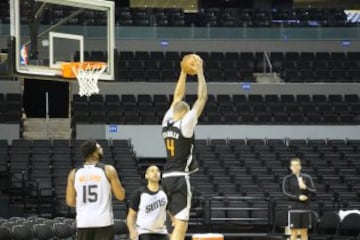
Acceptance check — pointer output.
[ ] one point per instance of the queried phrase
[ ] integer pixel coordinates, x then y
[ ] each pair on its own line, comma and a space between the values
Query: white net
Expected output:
88, 75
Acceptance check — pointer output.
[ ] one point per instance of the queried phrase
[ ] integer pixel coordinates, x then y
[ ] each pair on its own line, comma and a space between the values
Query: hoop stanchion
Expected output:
87, 74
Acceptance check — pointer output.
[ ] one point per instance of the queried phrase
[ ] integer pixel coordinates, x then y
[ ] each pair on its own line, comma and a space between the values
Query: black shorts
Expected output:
101, 233
299, 215
153, 237
179, 195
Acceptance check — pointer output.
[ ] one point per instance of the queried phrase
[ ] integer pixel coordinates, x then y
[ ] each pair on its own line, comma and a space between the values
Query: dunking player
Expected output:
178, 133
147, 212
89, 189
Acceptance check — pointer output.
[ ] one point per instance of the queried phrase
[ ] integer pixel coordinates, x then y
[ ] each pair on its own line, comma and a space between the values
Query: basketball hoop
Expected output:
87, 74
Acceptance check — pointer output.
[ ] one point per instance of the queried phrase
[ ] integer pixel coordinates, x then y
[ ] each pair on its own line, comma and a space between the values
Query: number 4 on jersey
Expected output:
170, 146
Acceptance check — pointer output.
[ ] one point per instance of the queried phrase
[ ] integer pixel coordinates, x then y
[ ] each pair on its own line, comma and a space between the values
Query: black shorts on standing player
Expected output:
102, 233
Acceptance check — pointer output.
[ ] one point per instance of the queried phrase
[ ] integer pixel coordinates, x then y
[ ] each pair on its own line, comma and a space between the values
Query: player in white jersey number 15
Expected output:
89, 189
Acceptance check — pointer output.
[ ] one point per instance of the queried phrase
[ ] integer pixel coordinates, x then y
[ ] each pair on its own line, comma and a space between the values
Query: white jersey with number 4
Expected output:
93, 197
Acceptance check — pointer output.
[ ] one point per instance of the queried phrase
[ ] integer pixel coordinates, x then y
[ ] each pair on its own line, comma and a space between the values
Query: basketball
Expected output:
188, 64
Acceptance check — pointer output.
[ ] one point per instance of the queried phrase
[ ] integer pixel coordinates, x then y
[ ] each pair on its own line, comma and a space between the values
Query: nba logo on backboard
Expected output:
23, 55
113, 128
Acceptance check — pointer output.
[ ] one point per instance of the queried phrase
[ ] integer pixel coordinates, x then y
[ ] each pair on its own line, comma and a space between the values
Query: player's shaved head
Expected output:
181, 107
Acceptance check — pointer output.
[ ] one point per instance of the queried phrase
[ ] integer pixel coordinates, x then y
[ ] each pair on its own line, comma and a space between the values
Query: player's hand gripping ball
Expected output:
188, 64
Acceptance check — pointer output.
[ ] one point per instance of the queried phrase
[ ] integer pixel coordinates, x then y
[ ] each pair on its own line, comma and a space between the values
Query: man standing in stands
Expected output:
178, 134
147, 212
298, 187
89, 189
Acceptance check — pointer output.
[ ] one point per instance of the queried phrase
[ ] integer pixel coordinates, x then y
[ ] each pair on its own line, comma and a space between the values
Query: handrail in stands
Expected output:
251, 209
267, 60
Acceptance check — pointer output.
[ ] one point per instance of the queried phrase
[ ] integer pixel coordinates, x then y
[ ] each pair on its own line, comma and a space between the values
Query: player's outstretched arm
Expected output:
116, 186
70, 190
131, 223
202, 94
179, 91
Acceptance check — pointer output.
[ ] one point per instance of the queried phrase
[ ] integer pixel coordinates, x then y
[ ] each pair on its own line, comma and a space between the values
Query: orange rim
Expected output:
67, 67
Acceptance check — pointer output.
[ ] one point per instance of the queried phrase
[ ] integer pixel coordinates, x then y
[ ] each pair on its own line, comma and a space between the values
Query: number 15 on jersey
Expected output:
90, 193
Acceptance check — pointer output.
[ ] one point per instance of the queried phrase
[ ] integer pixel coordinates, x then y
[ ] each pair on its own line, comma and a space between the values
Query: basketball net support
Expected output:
12, 18
38, 9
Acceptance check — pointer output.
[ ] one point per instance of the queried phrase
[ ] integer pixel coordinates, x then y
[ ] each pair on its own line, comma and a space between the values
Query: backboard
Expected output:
50, 32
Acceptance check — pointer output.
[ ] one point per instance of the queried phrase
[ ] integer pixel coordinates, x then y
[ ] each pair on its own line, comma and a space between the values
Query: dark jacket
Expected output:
291, 186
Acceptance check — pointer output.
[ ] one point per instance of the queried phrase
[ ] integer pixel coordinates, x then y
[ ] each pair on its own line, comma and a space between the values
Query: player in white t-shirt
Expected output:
178, 133
89, 189
147, 213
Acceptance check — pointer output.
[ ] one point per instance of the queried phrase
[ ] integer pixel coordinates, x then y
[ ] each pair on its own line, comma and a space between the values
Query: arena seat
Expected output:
349, 225
10, 108
5, 233
21, 232
43, 232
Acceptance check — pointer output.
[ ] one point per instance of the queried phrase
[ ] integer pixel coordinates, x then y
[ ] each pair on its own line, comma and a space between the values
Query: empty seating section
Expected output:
4, 158
255, 167
10, 107
221, 109
232, 17
210, 17
239, 181
293, 67
35, 227
41, 168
